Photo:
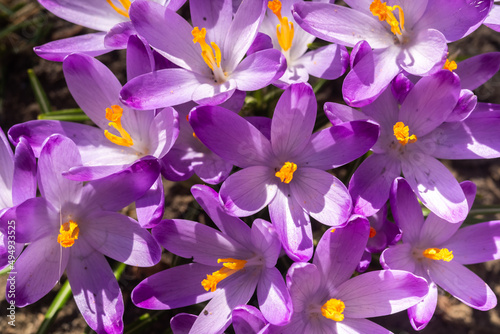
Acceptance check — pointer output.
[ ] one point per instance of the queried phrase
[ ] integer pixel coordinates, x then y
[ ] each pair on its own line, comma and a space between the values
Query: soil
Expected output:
18, 104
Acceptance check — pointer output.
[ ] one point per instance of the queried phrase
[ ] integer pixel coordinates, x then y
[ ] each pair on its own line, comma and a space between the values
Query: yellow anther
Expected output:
126, 6
333, 309
284, 30
211, 59
384, 13
286, 172
438, 254
450, 65
402, 134
68, 233
229, 267
373, 232
114, 114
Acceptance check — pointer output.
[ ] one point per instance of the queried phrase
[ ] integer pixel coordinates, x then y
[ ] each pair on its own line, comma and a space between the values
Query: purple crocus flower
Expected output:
407, 36
438, 250
327, 300
327, 62
288, 171
411, 138
123, 135
210, 72
72, 227
110, 17
493, 19
228, 267
17, 184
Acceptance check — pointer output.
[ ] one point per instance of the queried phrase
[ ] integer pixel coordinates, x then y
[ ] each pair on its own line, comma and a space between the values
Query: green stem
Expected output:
319, 85
57, 305
40, 95
143, 322
67, 112
69, 118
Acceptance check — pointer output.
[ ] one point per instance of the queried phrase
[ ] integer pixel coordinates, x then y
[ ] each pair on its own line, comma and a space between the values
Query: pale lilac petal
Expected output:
140, 59
216, 316
340, 113
378, 293
322, 196
476, 243
95, 14
339, 251
118, 36
475, 71
371, 182
259, 69
194, 240
242, 32
209, 92
121, 238
88, 173
216, 16
44, 259
58, 155
406, 210
370, 76
425, 51
399, 257
303, 280
230, 136
184, 287
436, 187
247, 319
354, 326
466, 104
463, 284
213, 169
95, 289
274, 299
493, 19
340, 24
249, 190
328, 62
339, 144
6, 172
265, 239
430, 102
231, 226
181, 323
151, 206
89, 44
421, 314
160, 89
293, 120
292, 224
24, 176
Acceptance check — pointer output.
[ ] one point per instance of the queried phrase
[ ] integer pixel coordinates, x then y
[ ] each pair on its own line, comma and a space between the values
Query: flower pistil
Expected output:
229, 267
68, 233
333, 309
384, 13
211, 55
126, 6
402, 134
438, 254
114, 114
286, 172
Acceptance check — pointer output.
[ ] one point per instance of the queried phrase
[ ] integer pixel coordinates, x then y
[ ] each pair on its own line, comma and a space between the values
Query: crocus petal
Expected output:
466, 104
339, 251
340, 113
274, 299
216, 16
436, 187
140, 59
463, 284
371, 182
216, 316
247, 319
151, 206
352, 326
293, 226
43, 259
475, 71
303, 281
378, 293
121, 238
204, 244
430, 102
493, 19
421, 314
328, 62
293, 120
95, 289
213, 169
261, 42
160, 89
95, 14
322, 195
181, 323
266, 240
340, 144
230, 136
425, 51
370, 76
406, 210
184, 288
259, 70
118, 36
6, 172
89, 44
401, 86
340, 24
58, 155
476, 243
398, 257
24, 179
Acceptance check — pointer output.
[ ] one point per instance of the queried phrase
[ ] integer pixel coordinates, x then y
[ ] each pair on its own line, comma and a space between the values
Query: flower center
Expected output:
384, 13
450, 65
68, 233
286, 172
438, 254
402, 134
125, 4
333, 309
229, 267
114, 114
284, 30
211, 58
373, 232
